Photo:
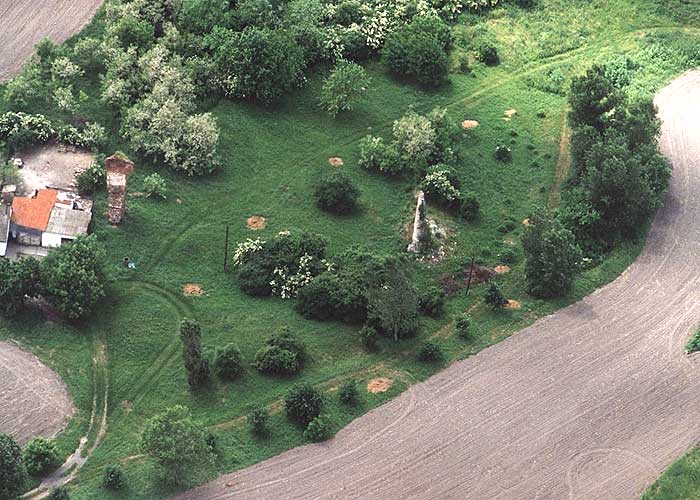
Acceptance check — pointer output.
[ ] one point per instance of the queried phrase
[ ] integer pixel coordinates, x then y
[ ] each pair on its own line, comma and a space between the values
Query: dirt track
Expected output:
24, 22
592, 402
34, 400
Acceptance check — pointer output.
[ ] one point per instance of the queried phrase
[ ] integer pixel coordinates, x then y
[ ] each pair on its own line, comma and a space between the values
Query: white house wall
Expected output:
50, 240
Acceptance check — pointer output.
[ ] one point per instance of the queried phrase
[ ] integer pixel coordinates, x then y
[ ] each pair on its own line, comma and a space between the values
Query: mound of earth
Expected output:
256, 223
34, 401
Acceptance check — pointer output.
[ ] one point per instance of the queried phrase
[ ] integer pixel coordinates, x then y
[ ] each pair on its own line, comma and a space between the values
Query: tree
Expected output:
344, 87
113, 478
303, 404
12, 471
18, 279
419, 51
59, 493
40, 455
593, 96
393, 306
73, 277
494, 296
228, 362
196, 364
553, 257
178, 444
336, 193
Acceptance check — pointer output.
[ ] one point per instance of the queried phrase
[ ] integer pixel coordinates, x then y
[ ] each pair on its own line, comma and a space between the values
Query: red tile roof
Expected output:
34, 212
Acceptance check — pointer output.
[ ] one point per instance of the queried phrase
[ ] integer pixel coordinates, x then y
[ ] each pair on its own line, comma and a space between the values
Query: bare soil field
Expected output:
34, 401
24, 22
592, 402
52, 166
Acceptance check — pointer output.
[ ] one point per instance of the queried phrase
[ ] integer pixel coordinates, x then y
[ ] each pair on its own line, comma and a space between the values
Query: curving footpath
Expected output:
24, 22
591, 402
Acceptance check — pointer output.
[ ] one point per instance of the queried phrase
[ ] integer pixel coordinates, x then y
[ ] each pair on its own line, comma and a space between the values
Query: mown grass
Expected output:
271, 157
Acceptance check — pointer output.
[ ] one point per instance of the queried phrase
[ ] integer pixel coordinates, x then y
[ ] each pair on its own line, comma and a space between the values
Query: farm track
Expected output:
23, 23
591, 402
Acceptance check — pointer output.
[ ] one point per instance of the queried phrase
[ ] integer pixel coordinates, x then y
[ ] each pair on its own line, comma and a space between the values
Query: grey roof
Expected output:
68, 222
5, 214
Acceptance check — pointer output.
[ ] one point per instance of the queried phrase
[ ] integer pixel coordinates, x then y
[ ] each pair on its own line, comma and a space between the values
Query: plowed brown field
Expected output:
24, 22
592, 402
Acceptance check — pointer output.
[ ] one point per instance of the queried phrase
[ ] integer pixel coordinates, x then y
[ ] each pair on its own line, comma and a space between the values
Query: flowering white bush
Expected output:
39, 126
287, 285
438, 183
245, 249
415, 135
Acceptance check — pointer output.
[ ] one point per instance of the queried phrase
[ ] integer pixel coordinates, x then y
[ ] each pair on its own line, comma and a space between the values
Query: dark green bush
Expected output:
494, 296
92, 179
13, 474
336, 193
368, 338
113, 478
348, 393
508, 256
317, 430
503, 153
430, 352
469, 207
59, 493
258, 419
487, 54
40, 455
432, 301
276, 361
303, 404
253, 279
228, 363
348, 12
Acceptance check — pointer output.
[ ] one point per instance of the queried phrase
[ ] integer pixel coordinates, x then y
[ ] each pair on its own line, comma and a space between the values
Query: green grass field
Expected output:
270, 160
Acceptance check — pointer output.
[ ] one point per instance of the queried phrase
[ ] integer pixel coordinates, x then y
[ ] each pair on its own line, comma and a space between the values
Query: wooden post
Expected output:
226, 251
469, 280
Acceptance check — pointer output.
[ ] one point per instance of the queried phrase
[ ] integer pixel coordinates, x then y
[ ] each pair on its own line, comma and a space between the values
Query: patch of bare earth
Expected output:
381, 384
335, 161
34, 401
508, 114
502, 269
23, 23
256, 223
192, 290
513, 304
469, 124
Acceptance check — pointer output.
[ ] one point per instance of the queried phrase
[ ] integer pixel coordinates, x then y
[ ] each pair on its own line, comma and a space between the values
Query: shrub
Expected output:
154, 186
336, 193
375, 154
92, 179
276, 361
494, 296
464, 64
368, 337
487, 54
196, 364
469, 207
503, 153
59, 493
344, 87
348, 394
13, 473
432, 301
253, 279
508, 256
439, 185
417, 54
317, 430
40, 455
320, 299
113, 478
693, 344
415, 137
228, 362
258, 419
182, 457
303, 404
463, 326
430, 352
393, 307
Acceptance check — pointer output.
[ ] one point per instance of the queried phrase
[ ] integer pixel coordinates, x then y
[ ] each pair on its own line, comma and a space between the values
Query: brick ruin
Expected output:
119, 168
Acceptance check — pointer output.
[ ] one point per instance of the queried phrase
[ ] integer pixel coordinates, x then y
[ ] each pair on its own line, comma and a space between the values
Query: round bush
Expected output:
430, 352
40, 455
253, 279
494, 296
469, 207
463, 325
318, 430
432, 301
348, 393
508, 256
303, 404
228, 363
336, 193
503, 153
274, 360
59, 493
113, 478
258, 419
348, 12
416, 54
154, 186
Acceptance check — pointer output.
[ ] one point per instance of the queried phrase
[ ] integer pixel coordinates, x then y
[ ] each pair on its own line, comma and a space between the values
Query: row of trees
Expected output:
71, 278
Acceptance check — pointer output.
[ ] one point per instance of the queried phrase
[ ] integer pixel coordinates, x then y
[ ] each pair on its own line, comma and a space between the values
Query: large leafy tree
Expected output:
73, 277
593, 98
19, 279
553, 257
393, 306
12, 471
178, 444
